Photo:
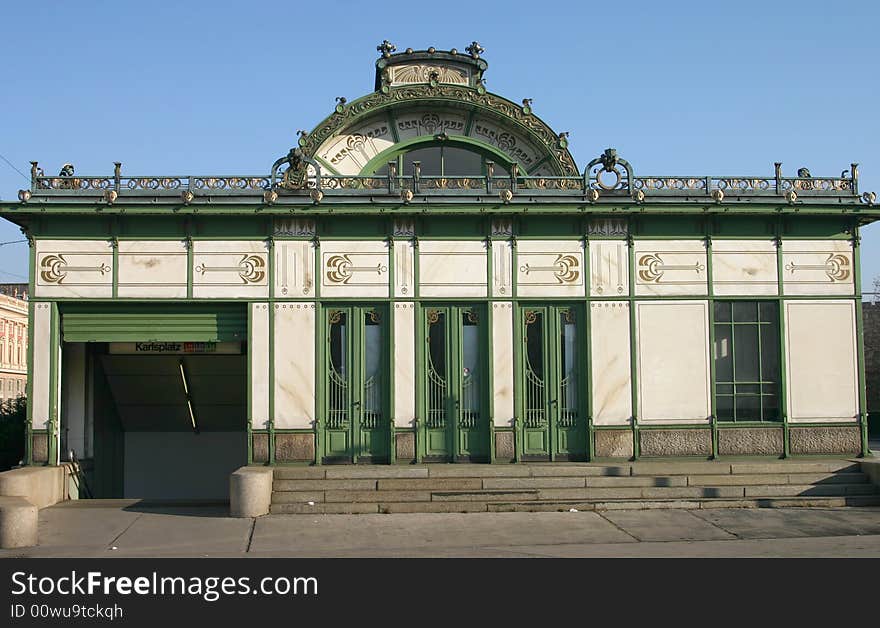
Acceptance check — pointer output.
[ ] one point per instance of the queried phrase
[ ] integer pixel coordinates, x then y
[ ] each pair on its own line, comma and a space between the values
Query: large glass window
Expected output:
746, 354
443, 161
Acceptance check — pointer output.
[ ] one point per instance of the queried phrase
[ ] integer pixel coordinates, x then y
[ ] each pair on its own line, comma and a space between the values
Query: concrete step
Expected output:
566, 470
568, 494
579, 505
570, 482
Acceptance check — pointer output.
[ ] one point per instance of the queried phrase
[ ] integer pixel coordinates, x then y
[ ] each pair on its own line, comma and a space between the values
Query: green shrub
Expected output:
13, 431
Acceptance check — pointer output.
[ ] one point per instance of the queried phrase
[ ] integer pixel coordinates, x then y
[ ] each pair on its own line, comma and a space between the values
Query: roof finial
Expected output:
475, 49
386, 48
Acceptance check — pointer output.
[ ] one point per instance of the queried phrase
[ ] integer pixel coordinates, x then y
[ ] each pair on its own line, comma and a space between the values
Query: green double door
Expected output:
356, 367
455, 401
553, 383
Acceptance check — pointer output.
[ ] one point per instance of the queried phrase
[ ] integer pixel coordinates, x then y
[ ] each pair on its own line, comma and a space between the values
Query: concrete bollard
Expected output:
250, 491
18, 523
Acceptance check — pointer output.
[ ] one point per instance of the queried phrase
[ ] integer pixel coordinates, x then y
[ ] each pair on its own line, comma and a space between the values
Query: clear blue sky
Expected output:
222, 87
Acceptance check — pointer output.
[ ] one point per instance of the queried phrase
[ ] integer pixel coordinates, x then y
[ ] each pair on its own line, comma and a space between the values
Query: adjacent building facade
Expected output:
13, 340
429, 277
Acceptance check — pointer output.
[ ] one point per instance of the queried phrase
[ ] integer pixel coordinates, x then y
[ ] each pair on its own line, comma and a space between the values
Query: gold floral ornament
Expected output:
54, 269
251, 269
564, 268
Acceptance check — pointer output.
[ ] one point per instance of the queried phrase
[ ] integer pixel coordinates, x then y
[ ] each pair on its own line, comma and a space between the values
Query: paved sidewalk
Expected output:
113, 528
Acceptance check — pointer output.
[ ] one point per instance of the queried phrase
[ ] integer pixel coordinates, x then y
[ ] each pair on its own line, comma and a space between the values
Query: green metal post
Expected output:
860, 340
783, 375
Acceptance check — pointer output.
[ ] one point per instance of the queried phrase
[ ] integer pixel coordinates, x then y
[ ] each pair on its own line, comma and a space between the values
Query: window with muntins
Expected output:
746, 354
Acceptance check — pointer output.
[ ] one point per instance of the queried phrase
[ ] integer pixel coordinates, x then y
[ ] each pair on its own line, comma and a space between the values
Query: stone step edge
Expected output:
524, 470
579, 506
770, 479
533, 495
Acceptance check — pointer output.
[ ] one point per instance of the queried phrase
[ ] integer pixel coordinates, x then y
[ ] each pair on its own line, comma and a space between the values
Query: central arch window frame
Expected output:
398, 151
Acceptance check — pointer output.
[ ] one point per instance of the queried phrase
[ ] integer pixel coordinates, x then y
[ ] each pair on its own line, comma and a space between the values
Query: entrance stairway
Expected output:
567, 486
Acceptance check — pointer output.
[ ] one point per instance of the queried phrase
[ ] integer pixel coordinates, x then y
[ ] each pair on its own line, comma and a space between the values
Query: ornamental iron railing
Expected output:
607, 176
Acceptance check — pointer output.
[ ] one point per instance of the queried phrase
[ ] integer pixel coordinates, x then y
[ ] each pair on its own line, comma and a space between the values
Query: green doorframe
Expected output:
860, 339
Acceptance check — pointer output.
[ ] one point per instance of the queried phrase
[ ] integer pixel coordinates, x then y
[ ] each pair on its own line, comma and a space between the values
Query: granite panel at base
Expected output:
405, 446
825, 440
40, 449
613, 443
505, 450
261, 447
295, 447
756, 441
675, 442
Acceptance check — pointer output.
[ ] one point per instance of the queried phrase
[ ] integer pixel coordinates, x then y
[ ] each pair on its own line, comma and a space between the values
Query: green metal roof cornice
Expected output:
348, 114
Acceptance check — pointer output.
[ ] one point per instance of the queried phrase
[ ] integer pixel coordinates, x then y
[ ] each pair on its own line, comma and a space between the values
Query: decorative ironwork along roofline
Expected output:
605, 178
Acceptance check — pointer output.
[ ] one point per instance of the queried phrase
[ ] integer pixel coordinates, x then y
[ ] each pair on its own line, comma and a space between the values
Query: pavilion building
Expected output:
428, 276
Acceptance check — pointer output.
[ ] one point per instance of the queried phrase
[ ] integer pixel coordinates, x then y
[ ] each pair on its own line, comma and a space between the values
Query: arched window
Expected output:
444, 161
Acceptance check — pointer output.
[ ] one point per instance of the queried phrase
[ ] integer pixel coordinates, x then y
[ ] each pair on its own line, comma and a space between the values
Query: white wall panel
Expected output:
673, 361
230, 269
610, 360
74, 269
258, 346
670, 267
404, 364
820, 267
152, 269
550, 268
449, 268
294, 365
821, 361
744, 267
502, 363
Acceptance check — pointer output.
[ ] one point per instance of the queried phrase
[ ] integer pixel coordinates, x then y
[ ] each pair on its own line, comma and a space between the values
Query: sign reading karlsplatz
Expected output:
174, 348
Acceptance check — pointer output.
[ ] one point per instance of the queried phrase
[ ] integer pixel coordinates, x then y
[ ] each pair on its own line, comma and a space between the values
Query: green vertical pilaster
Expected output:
320, 380
710, 291
188, 242
633, 349
29, 431
271, 453
860, 339
54, 431
114, 243
783, 370
250, 384
490, 354
389, 345
588, 345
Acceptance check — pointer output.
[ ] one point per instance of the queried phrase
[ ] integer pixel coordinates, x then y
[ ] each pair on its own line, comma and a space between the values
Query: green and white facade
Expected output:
429, 277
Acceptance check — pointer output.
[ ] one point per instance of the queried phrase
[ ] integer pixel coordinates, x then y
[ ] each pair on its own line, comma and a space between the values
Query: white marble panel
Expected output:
294, 365
230, 269
404, 269
820, 267
453, 268
352, 268
609, 268
420, 123
502, 260
258, 346
670, 267
821, 361
549, 268
673, 361
349, 152
152, 269
502, 363
41, 365
404, 364
610, 361
294, 268
74, 269
744, 267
